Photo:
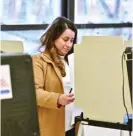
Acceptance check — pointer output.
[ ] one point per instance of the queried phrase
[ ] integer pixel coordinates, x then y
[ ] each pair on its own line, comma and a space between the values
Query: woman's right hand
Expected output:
65, 99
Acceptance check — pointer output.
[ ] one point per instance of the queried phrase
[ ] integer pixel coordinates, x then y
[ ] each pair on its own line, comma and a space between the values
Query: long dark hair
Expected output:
58, 26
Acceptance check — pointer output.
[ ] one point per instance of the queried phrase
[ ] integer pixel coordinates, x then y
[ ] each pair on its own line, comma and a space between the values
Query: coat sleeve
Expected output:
44, 98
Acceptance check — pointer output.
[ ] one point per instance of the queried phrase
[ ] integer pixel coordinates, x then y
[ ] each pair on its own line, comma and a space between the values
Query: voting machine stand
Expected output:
87, 121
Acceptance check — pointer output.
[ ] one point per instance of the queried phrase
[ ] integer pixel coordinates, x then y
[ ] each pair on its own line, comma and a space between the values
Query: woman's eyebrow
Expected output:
65, 37
68, 37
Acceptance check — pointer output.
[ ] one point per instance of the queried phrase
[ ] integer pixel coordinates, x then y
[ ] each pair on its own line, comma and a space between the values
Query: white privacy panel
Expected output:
98, 78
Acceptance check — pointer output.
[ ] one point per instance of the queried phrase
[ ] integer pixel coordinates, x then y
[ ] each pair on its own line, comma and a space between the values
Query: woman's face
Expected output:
64, 42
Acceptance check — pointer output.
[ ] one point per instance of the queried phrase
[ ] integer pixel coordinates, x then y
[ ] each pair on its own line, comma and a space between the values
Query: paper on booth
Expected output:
5, 82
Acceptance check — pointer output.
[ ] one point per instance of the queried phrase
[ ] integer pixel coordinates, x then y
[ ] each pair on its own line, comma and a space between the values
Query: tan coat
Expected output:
49, 86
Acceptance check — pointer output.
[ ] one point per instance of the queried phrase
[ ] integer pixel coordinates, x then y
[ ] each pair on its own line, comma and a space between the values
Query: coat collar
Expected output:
47, 57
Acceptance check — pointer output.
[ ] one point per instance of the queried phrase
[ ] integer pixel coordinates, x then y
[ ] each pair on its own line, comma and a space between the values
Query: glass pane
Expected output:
29, 11
30, 39
103, 11
126, 33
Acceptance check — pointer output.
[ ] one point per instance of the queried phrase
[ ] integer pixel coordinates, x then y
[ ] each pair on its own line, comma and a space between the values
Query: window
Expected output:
103, 11
29, 11
19, 13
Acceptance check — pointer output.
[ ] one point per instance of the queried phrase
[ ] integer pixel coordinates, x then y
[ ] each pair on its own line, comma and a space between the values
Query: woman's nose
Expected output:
69, 44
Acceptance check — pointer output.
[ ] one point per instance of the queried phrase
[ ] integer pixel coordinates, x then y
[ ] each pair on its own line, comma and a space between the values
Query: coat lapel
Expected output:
46, 57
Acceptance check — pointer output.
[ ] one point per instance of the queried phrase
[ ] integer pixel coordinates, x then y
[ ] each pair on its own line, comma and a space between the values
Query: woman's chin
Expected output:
63, 53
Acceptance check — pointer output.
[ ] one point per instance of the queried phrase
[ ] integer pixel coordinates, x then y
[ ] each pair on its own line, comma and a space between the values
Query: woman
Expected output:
52, 79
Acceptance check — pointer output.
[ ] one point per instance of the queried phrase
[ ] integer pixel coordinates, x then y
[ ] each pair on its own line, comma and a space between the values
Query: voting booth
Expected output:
101, 86
17, 94
11, 46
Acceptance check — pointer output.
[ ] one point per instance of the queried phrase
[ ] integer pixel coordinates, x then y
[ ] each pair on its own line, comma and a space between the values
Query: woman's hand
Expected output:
65, 99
